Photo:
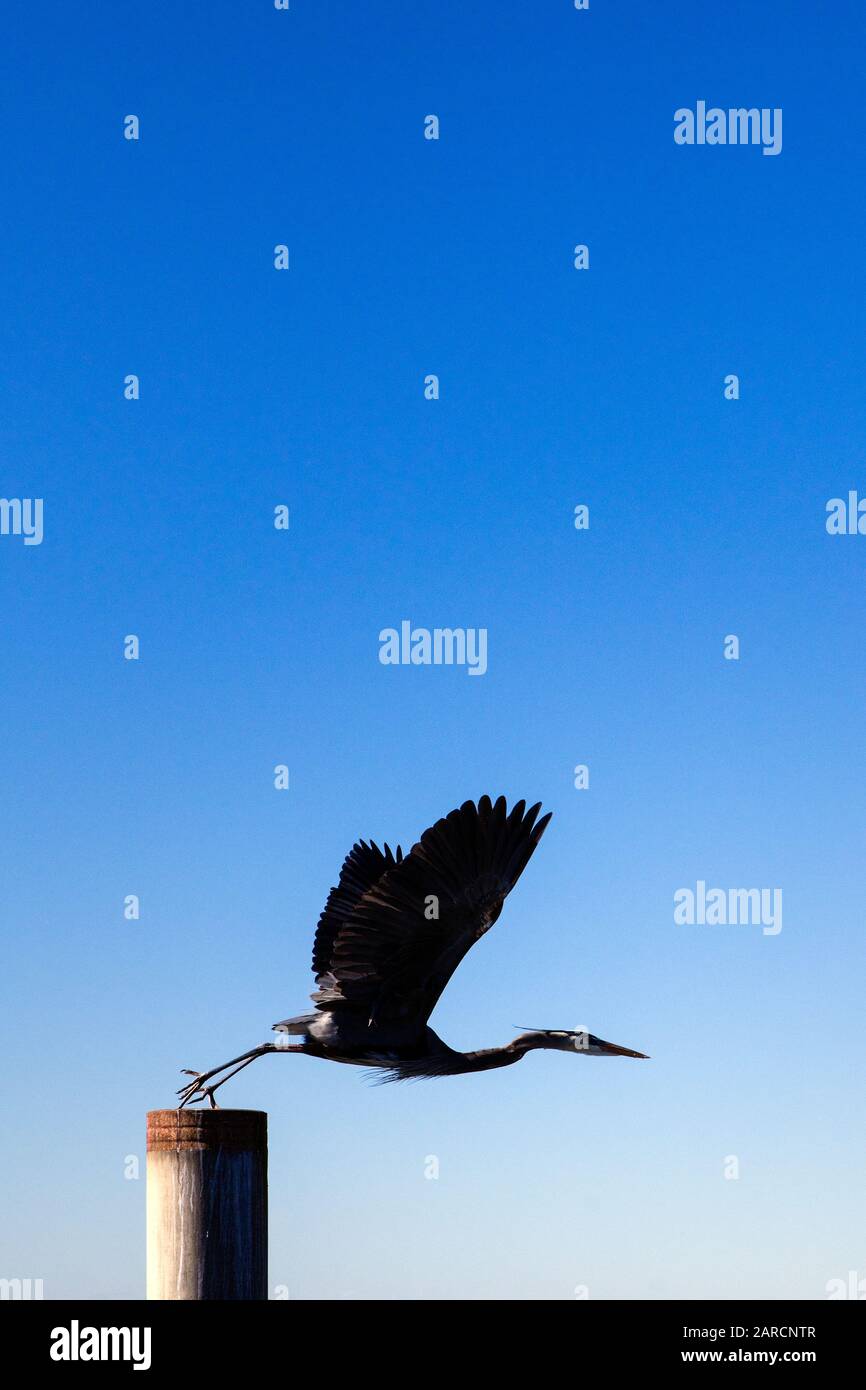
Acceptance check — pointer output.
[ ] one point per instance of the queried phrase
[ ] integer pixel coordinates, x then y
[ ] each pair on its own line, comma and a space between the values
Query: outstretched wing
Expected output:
390, 949
363, 866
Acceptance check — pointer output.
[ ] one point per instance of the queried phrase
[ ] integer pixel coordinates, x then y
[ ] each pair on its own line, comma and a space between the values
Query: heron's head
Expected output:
573, 1040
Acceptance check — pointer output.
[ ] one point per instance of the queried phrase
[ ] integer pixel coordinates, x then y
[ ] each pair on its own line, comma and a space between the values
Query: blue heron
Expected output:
392, 933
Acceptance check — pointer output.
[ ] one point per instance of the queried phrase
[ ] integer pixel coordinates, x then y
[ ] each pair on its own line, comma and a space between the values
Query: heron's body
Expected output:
392, 933
401, 1056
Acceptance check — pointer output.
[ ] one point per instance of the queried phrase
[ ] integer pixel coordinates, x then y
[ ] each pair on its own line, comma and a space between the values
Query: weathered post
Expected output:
207, 1204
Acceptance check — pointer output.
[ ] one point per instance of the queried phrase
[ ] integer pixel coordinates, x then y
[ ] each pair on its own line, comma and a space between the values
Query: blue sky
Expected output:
260, 647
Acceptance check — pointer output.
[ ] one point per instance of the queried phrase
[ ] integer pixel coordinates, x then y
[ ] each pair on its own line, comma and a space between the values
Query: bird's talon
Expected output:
193, 1090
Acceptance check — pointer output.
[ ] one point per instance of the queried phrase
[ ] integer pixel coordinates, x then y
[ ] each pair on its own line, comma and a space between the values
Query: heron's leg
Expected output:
193, 1086
196, 1090
209, 1090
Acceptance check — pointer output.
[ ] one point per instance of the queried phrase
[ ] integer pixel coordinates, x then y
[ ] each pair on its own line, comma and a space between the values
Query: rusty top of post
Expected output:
179, 1130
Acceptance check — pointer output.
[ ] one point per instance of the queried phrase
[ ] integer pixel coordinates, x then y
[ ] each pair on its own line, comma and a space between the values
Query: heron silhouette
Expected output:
392, 933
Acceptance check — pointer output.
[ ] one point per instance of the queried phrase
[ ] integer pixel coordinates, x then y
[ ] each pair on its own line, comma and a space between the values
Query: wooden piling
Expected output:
207, 1204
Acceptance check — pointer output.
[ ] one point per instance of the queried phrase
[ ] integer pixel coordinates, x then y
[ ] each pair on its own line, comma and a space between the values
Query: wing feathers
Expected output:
363, 866
396, 927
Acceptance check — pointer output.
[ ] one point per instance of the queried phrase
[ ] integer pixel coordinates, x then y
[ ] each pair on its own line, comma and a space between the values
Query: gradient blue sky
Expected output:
260, 647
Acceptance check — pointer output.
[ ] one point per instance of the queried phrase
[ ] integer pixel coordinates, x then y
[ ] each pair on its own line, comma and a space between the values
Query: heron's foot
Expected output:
195, 1090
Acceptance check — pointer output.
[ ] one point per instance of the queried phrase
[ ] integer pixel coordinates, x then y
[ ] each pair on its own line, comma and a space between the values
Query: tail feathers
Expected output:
301, 1024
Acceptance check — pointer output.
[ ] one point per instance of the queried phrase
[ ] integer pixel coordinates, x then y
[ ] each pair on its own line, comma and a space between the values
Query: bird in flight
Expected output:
391, 935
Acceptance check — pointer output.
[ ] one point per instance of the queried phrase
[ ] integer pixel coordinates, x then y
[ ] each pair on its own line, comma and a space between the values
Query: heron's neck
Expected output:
488, 1057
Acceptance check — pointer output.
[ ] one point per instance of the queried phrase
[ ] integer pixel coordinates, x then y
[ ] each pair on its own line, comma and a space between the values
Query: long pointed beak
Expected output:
612, 1050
